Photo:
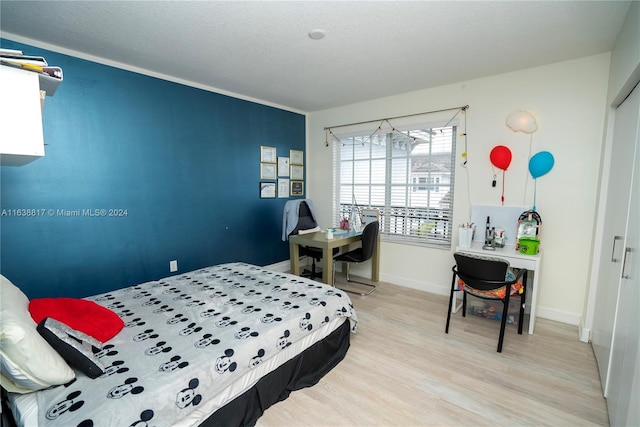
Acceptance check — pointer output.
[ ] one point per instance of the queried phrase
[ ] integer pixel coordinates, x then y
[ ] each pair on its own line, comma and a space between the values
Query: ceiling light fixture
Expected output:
317, 34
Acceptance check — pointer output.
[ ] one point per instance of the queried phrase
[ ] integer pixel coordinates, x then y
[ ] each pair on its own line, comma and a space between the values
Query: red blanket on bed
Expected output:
81, 315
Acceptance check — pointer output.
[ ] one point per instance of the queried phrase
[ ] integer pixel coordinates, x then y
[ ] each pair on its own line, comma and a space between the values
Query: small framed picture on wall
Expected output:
267, 190
297, 172
297, 188
297, 157
283, 166
283, 188
267, 171
267, 154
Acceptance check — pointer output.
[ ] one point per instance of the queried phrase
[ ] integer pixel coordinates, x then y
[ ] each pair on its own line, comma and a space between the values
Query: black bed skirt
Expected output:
302, 371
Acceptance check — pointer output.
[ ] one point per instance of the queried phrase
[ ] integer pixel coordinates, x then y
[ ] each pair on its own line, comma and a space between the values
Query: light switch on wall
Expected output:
173, 266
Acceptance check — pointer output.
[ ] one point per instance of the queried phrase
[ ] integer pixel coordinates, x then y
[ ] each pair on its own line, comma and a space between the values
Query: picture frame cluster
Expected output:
283, 176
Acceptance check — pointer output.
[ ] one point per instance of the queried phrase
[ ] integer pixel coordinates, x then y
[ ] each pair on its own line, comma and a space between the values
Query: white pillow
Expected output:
26, 359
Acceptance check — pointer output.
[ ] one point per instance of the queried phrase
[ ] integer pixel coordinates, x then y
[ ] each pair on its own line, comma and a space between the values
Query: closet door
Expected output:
624, 373
613, 249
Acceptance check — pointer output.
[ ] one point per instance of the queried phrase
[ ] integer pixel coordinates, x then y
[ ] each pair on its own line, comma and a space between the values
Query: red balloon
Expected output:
500, 157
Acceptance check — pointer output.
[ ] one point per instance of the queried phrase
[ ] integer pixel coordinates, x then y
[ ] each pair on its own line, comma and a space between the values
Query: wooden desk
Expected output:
319, 240
516, 260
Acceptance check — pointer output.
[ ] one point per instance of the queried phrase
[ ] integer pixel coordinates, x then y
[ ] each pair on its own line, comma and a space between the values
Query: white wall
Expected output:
568, 100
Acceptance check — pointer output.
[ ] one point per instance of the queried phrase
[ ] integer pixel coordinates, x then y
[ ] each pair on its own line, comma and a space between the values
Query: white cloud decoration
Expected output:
522, 121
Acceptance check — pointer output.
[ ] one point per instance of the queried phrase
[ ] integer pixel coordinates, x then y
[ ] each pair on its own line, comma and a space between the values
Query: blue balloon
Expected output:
540, 164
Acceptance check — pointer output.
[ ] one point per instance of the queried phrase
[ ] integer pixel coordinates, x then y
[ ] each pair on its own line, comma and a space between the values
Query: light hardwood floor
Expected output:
403, 370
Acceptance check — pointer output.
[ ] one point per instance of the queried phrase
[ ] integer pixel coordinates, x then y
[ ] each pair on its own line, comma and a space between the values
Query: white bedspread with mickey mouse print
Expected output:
189, 337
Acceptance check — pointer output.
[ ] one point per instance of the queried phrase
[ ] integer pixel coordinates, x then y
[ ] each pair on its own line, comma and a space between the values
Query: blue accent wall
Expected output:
183, 163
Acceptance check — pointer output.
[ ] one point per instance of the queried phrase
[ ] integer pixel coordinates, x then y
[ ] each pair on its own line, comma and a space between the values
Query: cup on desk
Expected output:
330, 233
465, 236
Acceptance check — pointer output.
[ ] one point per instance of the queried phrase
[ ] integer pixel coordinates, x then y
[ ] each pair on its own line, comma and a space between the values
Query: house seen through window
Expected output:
407, 175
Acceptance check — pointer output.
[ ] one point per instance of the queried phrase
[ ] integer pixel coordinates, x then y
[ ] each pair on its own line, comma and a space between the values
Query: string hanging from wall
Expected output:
329, 136
463, 134
386, 125
524, 122
500, 157
465, 160
387, 120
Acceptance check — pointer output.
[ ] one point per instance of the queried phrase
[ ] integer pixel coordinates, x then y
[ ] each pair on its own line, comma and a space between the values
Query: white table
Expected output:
516, 260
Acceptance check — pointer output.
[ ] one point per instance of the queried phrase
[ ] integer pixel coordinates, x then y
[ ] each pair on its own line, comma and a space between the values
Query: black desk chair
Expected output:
307, 222
487, 278
361, 254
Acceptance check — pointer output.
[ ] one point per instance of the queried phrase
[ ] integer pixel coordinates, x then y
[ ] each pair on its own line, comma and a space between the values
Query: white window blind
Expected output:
408, 175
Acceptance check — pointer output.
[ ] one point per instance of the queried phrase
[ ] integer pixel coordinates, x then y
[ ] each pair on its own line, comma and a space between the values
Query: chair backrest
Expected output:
369, 239
482, 273
305, 219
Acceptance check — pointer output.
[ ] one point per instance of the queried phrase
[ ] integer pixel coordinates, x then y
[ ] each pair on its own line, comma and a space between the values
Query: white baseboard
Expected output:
415, 284
559, 316
584, 333
434, 288
282, 266
543, 312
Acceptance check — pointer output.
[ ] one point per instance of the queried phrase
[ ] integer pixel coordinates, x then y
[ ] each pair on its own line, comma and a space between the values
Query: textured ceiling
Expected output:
260, 50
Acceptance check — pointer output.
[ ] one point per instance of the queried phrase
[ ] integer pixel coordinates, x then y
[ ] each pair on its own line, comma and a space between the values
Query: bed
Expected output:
216, 346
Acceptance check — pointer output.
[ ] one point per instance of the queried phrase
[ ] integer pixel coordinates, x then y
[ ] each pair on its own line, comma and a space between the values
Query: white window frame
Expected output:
428, 225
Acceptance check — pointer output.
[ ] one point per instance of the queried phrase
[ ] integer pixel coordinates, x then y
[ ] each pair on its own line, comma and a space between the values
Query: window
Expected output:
407, 175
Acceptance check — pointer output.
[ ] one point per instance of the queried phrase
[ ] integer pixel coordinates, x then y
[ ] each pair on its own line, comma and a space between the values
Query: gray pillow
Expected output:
75, 347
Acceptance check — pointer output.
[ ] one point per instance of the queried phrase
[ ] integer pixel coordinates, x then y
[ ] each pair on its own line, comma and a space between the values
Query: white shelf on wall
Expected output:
21, 104
21, 138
